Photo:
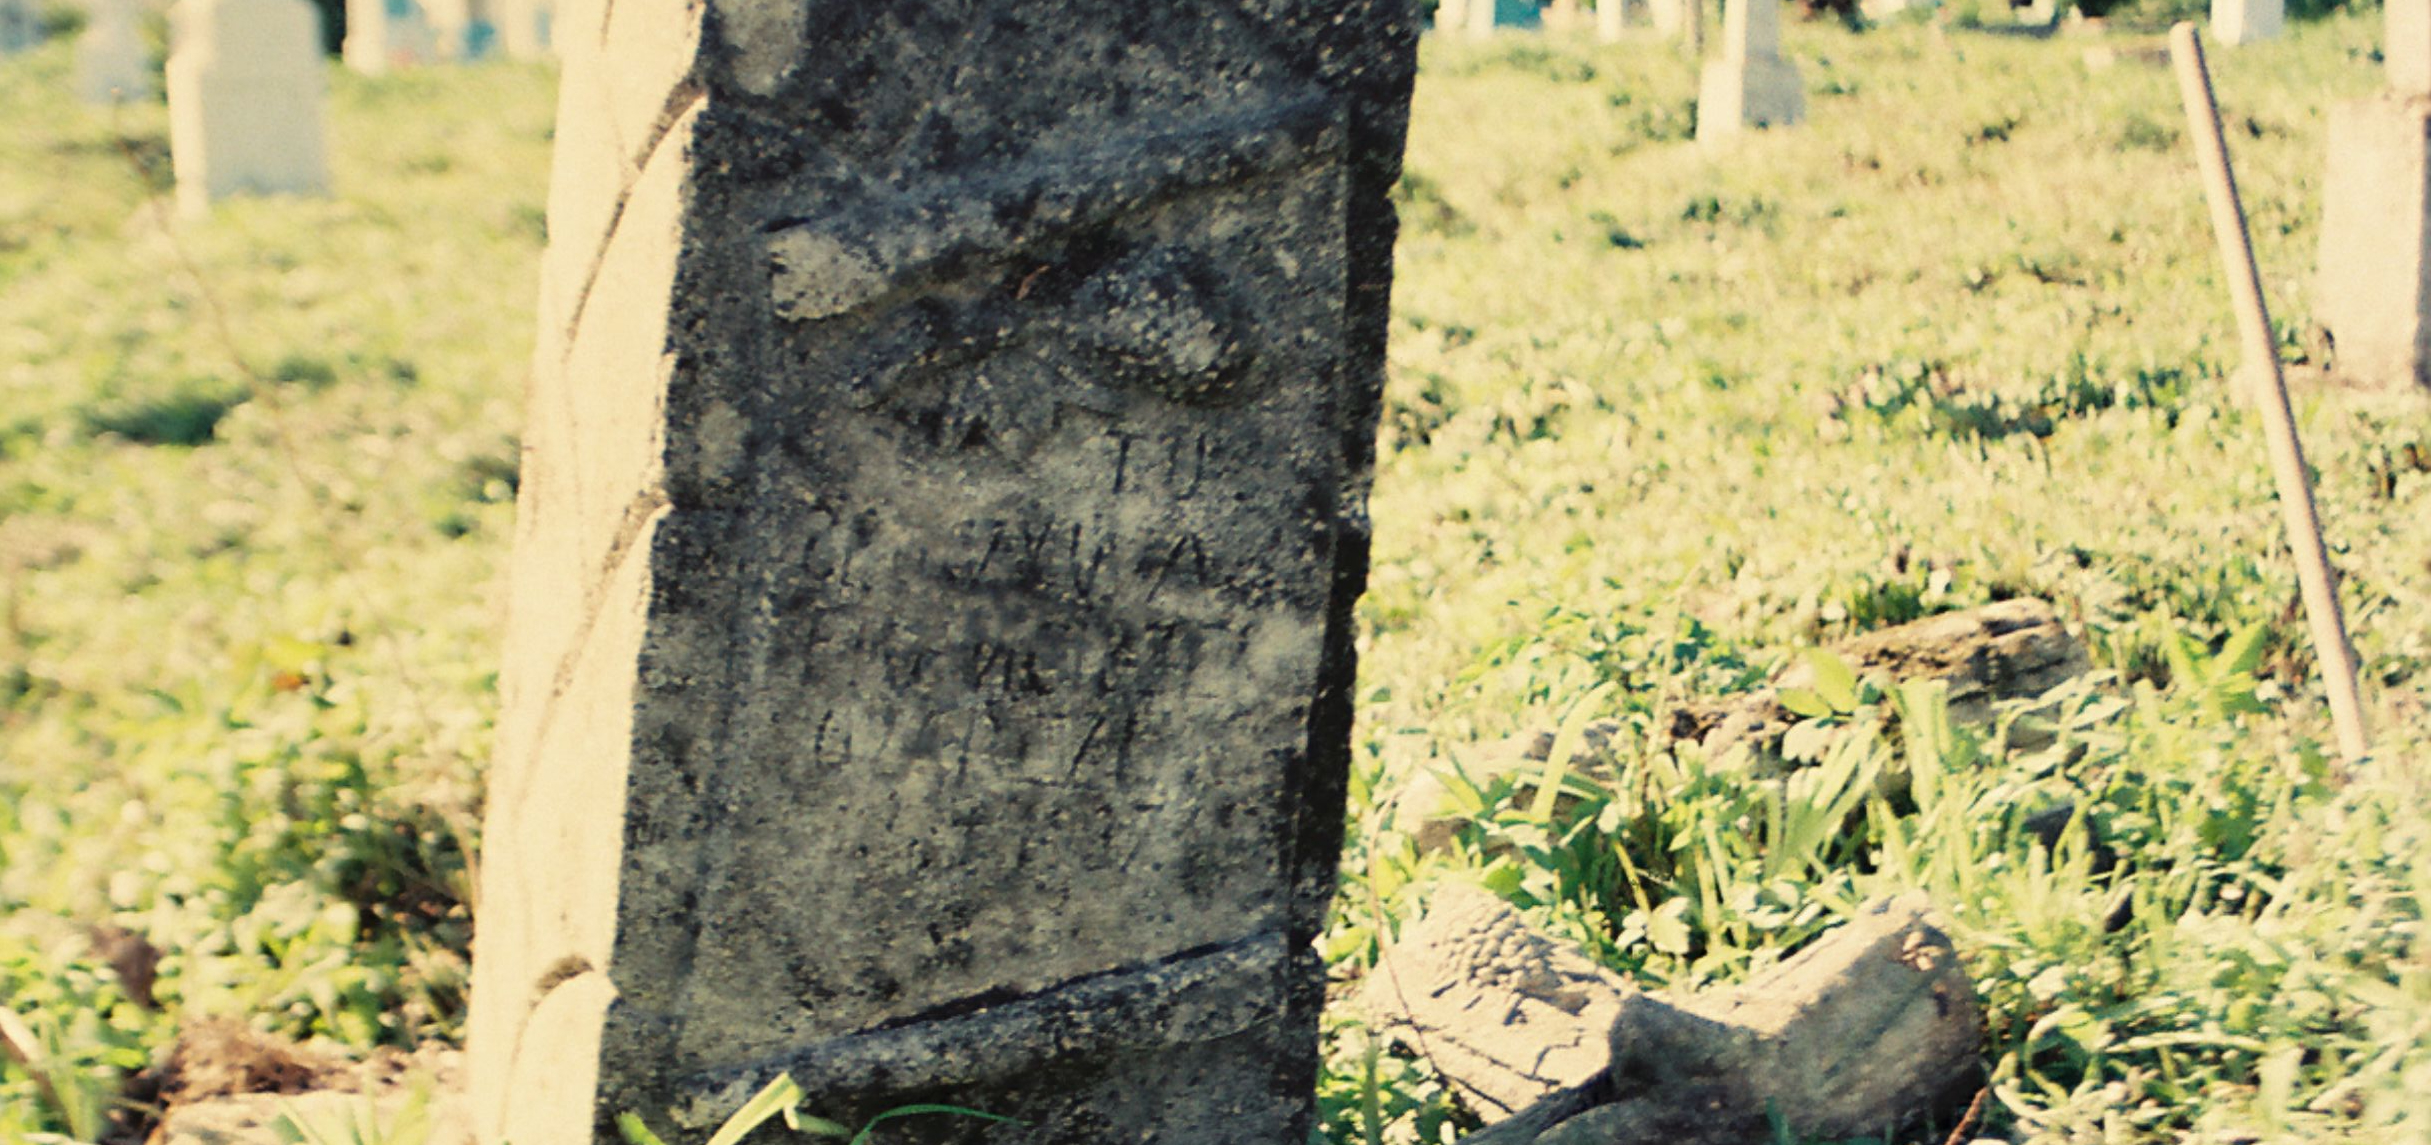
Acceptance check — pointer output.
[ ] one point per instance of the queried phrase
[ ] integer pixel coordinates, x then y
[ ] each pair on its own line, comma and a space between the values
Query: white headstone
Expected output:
112, 65
2373, 294
1453, 15
245, 96
1751, 85
524, 28
19, 27
382, 34
2246, 21
1481, 19
1611, 20
2406, 28
1670, 17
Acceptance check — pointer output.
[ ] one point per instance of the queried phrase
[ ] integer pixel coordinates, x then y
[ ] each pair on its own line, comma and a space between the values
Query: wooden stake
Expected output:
2313, 572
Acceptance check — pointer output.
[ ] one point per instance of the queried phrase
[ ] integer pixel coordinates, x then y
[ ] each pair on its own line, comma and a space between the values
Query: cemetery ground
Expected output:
1658, 418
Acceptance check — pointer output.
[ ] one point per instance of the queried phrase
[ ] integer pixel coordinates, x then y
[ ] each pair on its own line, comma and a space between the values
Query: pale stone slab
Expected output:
1750, 86
526, 29
2373, 293
2237, 22
245, 101
112, 64
1453, 15
929, 655
1611, 21
2406, 46
1481, 19
1670, 17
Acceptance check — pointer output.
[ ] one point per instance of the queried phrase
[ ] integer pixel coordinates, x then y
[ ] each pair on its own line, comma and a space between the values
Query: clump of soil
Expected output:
220, 1057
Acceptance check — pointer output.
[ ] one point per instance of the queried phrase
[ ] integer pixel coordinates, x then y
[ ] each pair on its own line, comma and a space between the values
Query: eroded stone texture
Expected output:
1872, 1027
1503, 1011
929, 660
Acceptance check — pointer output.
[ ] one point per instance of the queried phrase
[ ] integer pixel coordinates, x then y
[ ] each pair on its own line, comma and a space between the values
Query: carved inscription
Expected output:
1048, 565
968, 719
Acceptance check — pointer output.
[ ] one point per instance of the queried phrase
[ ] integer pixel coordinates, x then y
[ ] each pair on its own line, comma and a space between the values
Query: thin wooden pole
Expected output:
2269, 389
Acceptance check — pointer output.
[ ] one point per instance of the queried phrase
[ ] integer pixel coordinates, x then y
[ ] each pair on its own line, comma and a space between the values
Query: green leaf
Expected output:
2243, 652
779, 1097
1806, 702
1667, 927
1565, 746
1835, 681
916, 1110
634, 1132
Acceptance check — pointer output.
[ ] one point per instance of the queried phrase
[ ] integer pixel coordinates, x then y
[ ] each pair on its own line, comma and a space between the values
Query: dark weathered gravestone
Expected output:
930, 649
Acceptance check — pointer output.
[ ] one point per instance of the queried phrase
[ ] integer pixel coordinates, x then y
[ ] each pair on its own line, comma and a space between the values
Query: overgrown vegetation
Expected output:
256, 479
1658, 417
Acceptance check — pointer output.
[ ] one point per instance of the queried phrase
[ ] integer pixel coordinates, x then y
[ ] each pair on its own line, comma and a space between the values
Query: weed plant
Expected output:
1660, 416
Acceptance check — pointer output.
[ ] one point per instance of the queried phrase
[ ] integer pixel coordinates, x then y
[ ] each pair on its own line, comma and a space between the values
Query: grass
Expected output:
255, 483
1658, 418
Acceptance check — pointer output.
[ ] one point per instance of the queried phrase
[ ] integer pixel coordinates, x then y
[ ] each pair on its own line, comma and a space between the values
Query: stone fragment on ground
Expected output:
1507, 1013
1873, 1026
2010, 650
1987, 656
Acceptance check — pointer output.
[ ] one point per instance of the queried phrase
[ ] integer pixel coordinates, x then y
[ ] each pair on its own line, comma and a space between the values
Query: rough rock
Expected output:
1506, 1013
1873, 1026
2010, 650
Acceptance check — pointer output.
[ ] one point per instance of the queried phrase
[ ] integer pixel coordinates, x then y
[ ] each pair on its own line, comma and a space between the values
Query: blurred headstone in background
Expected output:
1611, 20
463, 30
245, 101
1670, 17
112, 63
1750, 85
2237, 22
20, 26
524, 28
384, 34
2373, 293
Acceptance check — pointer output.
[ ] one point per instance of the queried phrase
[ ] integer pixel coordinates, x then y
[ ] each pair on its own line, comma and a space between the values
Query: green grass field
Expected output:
1659, 417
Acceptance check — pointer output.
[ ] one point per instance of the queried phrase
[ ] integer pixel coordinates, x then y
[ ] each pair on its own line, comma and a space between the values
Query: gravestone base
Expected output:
2246, 21
2373, 294
1761, 91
